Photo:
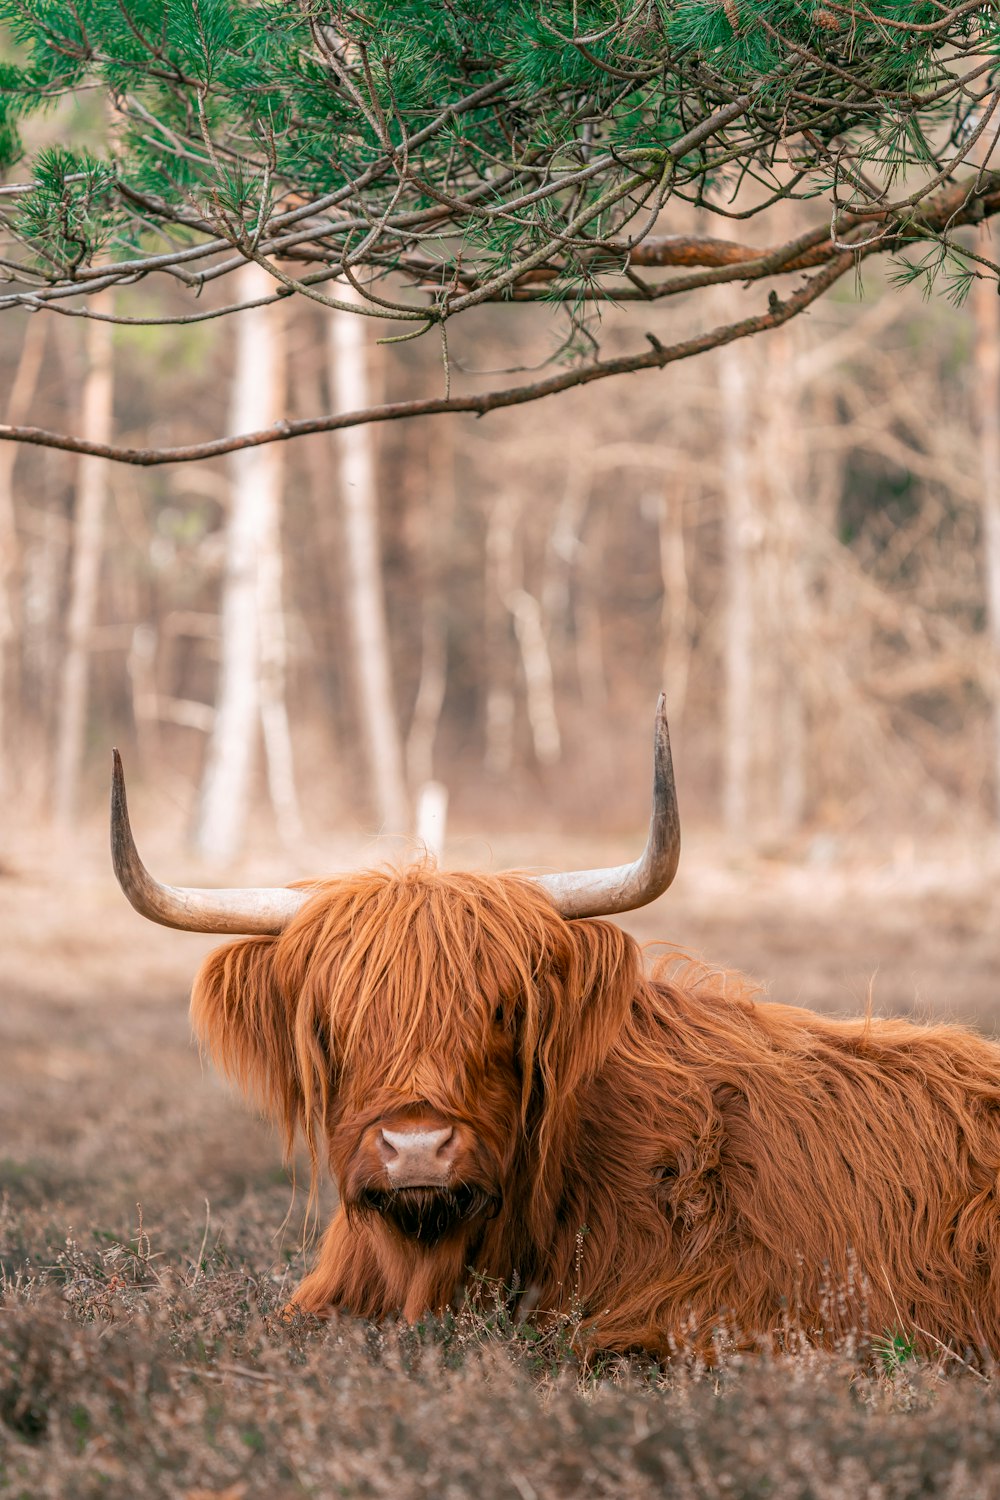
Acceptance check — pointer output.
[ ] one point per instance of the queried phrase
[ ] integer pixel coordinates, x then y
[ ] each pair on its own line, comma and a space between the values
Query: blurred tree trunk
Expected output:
437, 516
88, 530
538, 686
321, 523
783, 587
250, 670
563, 547
740, 527
499, 748
588, 601
273, 672
354, 451
22, 393
675, 608
504, 586
986, 311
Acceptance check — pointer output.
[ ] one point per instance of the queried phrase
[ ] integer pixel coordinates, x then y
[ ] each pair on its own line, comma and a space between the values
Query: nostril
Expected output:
386, 1149
446, 1145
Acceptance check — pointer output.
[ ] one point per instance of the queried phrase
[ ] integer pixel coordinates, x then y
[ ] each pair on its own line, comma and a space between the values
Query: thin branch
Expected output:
657, 357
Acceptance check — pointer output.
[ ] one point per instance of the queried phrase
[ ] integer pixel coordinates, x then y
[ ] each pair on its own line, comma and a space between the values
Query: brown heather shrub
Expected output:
130, 1368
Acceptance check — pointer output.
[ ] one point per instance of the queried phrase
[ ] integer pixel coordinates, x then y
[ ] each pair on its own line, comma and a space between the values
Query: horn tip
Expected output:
661, 728
120, 834
117, 775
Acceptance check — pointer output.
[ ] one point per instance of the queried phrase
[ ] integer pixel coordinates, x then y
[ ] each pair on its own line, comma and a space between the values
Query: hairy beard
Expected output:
427, 1214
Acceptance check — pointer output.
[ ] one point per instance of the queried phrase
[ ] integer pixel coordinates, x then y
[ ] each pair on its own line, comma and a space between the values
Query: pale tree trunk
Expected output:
321, 523
539, 692
431, 810
504, 574
43, 564
141, 667
779, 586
88, 531
741, 525
273, 711
354, 451
22, 392
674, 610
591, 669
432, 817
563, 545
251, 597
783, 591
274, 653
429, 702
986, 310
499, 752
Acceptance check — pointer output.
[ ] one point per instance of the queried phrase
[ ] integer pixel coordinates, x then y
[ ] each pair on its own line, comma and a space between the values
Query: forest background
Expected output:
791, 536
797, 535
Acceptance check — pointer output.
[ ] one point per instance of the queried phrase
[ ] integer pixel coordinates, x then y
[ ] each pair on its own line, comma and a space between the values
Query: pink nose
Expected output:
417, 1158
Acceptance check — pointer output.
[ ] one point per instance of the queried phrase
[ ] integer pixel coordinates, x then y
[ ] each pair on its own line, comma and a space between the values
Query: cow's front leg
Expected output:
370, 1270
346, 1275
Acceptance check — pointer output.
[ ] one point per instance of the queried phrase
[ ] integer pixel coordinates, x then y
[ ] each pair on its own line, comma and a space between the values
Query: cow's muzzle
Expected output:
429, 1214
413, 1156
421, 1173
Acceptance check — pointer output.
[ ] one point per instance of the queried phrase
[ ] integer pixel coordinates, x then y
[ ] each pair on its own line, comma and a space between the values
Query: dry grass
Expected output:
149, 1359
129, 1369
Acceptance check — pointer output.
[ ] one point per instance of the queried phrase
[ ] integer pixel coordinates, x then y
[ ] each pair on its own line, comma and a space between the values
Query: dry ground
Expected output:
148, 1361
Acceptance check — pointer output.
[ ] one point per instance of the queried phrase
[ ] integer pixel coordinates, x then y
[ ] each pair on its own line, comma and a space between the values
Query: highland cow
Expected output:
500, 1091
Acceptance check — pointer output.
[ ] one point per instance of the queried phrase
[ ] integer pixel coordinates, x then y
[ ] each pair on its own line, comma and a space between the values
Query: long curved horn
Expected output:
239, 912
602, 893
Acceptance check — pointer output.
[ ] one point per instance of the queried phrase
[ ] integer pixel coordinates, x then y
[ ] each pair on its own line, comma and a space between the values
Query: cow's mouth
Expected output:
427, 1214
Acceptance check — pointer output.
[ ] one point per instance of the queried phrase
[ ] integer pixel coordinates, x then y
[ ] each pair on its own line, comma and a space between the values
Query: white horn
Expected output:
267, 910
602, 893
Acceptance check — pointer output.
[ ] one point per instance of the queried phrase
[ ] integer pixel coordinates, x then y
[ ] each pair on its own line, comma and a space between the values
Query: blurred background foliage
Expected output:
797, 536
855, 521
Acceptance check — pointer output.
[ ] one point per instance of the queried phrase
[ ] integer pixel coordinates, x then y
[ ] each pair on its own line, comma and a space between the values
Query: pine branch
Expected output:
437, 158
657, 357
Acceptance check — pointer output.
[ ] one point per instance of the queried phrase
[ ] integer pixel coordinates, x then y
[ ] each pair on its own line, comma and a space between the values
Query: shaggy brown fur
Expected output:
667, 1152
